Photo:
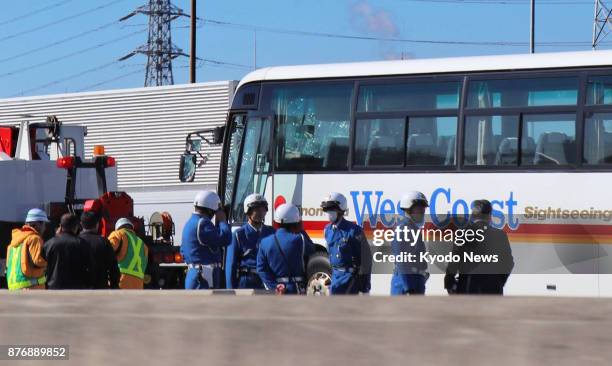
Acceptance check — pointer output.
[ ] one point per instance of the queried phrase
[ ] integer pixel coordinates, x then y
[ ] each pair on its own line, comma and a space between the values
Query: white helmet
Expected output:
287, 214
207, 199
411, 198
254, 200
122, 222
334, 200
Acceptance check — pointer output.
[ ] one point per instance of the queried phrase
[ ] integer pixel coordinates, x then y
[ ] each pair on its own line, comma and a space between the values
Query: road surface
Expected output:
196, 328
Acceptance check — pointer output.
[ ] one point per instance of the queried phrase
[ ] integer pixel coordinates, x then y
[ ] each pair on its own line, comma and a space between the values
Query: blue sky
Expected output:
87, 61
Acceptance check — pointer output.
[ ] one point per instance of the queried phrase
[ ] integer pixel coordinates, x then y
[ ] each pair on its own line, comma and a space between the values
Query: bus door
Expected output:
249, 162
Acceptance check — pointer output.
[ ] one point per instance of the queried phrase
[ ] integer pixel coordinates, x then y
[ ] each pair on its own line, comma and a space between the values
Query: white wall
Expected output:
143, 128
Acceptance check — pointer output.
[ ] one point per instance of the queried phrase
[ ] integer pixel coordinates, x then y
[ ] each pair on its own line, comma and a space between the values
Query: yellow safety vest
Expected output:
135, 262
15, 277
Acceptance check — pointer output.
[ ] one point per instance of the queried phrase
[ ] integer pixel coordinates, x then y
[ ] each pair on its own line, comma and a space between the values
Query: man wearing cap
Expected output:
25, 266
241, 258
481, 278
132, 255
203, 242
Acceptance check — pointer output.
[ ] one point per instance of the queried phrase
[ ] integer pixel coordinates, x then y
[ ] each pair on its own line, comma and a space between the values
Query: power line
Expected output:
71, 54
58, 21
224, 63
504, 2
67, 78
201, 63
61, 41
122, 76
32, 13
251, 27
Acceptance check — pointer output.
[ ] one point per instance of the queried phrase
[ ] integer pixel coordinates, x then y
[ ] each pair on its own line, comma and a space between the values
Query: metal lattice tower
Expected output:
159, 48
602, 24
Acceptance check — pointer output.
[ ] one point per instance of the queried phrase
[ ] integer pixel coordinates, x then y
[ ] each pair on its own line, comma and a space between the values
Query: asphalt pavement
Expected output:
197, 328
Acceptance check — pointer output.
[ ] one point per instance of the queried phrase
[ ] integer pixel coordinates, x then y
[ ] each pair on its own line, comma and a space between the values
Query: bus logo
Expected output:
373, 207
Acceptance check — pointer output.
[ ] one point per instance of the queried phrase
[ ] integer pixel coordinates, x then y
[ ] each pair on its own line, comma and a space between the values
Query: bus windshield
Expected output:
248, 161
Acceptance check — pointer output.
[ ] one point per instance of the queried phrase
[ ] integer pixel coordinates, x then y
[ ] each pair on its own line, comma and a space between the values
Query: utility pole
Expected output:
532, 27
602, 24
160, 50
254, 49
192, 52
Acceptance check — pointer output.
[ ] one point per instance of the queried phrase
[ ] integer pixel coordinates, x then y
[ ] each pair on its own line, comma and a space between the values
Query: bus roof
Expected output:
550, 60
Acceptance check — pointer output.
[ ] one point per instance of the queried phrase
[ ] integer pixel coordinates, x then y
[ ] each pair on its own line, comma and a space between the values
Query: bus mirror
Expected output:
218, 133
194, 145
187, 167
260, 163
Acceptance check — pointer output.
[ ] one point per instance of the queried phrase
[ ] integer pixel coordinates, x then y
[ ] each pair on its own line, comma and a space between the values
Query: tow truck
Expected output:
44, 165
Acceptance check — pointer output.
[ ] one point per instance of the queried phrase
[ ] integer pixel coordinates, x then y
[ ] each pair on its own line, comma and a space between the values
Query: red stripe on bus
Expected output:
524, 228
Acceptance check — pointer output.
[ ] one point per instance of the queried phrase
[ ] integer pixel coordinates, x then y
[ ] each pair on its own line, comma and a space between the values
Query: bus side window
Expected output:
409, 96
554, 136
598, 126
531, 92
312, 122
492, 141
598, 139
599, 90
547, 139
379, 142
431, 141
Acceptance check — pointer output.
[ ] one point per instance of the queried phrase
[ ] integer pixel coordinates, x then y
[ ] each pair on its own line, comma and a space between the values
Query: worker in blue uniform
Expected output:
203, 242
349, 251
282, 257
241, 256
410, 277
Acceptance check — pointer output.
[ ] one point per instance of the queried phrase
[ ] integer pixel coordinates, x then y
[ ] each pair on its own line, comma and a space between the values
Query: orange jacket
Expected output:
32, 262
119, 242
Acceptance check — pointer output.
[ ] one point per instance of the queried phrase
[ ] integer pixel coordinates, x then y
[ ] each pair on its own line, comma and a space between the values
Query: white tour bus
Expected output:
531, 133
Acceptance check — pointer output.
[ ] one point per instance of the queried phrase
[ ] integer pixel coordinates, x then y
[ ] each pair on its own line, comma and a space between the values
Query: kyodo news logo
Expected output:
444, 208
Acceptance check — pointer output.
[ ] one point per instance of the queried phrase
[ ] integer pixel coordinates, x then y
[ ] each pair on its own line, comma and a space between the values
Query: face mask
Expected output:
332, 216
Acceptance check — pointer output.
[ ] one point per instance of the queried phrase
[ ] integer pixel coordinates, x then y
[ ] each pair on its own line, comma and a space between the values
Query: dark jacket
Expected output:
103, 268
67, 259
495, 243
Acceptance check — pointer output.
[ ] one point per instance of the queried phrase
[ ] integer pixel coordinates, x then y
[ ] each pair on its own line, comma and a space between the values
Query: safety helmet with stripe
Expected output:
255, 200
334, 201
